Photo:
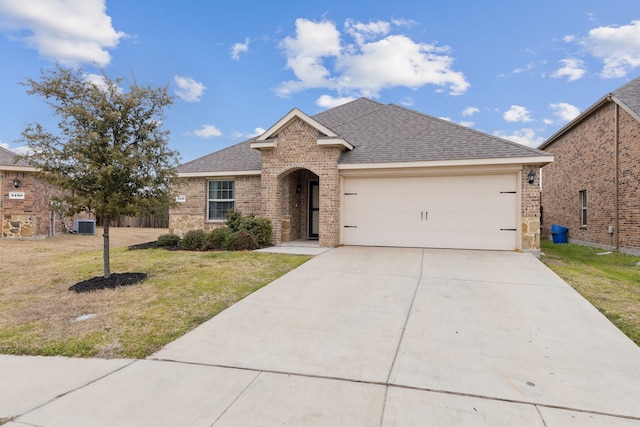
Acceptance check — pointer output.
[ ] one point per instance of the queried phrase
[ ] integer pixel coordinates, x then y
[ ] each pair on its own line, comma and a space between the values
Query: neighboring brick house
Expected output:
592, 188
366, 173
25, 200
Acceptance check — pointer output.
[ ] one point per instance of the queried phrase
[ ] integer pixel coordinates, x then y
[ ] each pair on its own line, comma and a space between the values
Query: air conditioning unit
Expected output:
84, 226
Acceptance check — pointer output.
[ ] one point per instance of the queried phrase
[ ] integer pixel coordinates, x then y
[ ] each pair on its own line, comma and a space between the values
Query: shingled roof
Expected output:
626, 96
629, 96
381, 133
7, 158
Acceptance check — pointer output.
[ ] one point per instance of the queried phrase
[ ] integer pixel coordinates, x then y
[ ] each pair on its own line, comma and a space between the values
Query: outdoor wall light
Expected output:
16, 182
531, 176
299, 189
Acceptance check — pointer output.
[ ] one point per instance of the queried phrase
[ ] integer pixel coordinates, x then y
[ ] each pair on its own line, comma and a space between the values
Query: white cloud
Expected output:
470, 111
565, 112
328, 101
188, 89
572, 69
517, 113
239, 48
207, 131
408, 101
257, 131
362, 32
18, 150
524, 136
467, 124
377, 60
72, 32
617, 47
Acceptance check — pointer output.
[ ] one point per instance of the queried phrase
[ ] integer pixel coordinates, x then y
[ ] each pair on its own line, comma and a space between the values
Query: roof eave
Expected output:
216, 174
540, 160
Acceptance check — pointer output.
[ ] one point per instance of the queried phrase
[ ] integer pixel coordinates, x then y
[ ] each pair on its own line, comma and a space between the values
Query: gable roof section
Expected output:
626, 96
327, 136
379, 134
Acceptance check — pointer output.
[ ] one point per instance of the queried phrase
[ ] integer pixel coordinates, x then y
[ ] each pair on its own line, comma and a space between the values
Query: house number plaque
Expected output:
16, 195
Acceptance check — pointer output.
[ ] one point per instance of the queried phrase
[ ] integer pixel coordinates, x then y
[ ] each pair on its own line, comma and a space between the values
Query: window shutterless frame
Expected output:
583, 207
220, 199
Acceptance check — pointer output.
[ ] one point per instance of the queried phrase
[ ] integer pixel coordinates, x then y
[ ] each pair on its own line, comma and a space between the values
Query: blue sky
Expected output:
515, 69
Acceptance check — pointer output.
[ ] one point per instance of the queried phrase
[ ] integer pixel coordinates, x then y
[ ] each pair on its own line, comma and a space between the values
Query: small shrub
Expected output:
216, 239
230, 241
194, 240
168, 240
245, 241
234, 220
259, 227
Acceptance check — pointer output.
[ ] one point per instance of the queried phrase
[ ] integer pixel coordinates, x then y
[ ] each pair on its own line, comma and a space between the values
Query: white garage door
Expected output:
462, 212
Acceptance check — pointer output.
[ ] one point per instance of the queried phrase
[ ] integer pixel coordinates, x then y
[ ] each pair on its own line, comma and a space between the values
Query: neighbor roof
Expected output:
626, 96
381, 133
7, 158
629, 96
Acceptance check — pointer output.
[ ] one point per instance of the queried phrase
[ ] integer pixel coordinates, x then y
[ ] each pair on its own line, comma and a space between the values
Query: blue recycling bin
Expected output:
559, 233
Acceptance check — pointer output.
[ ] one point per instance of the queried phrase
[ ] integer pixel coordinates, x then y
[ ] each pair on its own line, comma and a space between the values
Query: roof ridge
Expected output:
380, 106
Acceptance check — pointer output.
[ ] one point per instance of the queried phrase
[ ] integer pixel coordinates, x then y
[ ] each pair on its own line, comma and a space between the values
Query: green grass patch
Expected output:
183, 290
610, 282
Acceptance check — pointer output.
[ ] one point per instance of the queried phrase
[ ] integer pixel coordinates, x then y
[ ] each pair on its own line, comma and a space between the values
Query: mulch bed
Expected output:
115, 280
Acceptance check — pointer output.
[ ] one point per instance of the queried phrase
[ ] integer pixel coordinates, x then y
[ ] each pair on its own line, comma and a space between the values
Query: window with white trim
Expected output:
583, 207
221, 198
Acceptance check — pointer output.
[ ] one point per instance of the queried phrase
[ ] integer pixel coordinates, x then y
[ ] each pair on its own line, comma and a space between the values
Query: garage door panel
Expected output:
477, 212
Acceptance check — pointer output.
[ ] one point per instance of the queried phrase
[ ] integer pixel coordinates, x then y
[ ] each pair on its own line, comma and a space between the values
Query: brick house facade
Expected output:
592, 186
296, 173
24, 202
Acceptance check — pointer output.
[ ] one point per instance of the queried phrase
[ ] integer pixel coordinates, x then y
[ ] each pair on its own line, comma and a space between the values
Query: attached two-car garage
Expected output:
448, 211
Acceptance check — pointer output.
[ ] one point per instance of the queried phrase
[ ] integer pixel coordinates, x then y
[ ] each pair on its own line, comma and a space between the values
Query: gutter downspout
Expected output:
616, 179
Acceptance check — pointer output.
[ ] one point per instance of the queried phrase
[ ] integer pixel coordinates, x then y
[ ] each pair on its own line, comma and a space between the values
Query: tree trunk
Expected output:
105, 249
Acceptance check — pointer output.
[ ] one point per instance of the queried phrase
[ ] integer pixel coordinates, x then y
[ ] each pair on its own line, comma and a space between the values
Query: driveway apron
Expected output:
383, 336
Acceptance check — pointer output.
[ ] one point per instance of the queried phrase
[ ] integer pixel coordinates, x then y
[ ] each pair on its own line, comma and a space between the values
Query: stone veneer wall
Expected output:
297, 148
192, 214
585, 159
530, 205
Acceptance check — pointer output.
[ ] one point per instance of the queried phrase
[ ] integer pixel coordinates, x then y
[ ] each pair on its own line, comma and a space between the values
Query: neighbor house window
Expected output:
583, 207
221, 198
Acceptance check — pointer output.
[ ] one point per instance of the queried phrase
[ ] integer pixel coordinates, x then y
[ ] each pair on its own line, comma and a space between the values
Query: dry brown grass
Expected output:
38, 313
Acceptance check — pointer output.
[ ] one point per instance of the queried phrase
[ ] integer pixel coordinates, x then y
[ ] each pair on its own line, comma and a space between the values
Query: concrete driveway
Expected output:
380, 336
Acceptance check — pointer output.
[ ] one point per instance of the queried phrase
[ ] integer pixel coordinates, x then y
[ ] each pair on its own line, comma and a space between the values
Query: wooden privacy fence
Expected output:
138, 221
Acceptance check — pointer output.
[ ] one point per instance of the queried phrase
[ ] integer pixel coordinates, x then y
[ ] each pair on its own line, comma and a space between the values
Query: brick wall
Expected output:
297, 149
192, 214
629, 181
585, 160
29, 217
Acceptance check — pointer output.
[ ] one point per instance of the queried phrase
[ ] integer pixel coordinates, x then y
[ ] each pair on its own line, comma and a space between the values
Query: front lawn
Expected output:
40, 316
611, 282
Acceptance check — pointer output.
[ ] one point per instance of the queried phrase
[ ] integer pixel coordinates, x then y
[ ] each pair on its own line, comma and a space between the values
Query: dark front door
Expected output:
314, 209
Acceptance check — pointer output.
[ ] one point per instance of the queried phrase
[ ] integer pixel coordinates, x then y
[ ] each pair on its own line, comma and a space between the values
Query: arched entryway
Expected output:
300, 205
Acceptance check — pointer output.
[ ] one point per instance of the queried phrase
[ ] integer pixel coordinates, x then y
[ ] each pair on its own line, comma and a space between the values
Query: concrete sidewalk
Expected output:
362, 337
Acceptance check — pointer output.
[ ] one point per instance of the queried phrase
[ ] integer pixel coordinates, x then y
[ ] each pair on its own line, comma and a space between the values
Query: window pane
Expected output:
218, 210
221, 199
